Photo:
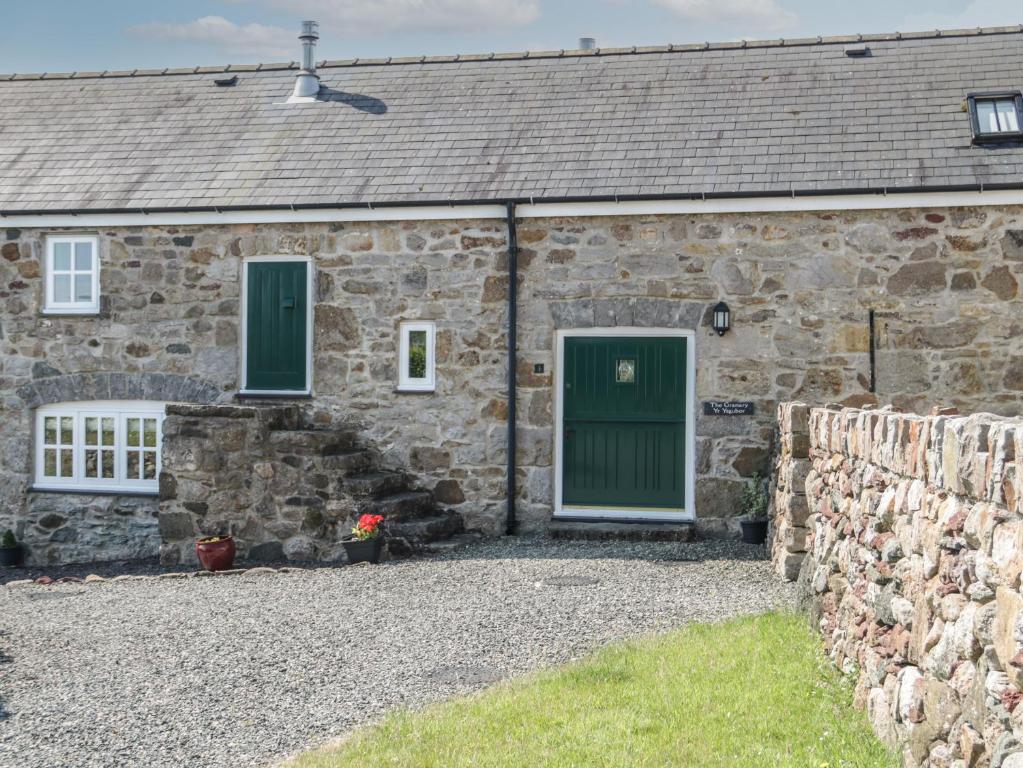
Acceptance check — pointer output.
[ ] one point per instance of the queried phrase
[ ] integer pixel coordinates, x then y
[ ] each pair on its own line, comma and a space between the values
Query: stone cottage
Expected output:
478, 293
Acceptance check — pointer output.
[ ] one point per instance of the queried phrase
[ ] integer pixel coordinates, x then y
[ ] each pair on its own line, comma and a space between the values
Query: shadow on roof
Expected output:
359, 101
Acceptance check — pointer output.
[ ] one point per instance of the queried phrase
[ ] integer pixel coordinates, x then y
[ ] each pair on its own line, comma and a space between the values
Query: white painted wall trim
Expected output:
310, 297
689, 513
525, 210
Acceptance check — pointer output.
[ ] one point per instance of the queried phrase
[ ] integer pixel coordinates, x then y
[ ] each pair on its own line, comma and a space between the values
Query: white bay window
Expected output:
99, 446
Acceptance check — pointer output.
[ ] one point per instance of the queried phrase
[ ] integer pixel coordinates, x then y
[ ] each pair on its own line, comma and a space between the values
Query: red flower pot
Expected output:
216, 555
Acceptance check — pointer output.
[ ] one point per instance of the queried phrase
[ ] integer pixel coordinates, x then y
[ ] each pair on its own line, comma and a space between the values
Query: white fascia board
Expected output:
753, 205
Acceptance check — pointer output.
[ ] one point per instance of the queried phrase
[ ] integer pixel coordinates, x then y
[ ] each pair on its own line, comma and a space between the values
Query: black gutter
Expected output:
526, 200
513, 305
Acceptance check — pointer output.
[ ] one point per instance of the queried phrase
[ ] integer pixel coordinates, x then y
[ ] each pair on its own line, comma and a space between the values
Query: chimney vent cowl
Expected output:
307, 82
587, 43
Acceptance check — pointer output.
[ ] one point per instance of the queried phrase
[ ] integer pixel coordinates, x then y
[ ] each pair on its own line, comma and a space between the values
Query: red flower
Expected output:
367, 526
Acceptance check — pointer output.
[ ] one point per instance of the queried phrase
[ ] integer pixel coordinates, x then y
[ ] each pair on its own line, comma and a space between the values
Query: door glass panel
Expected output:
626, 371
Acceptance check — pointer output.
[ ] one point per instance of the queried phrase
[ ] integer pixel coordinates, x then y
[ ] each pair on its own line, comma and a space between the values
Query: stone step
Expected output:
426, 529
455, 543
375, 484
605, 530
346, 462
400, 506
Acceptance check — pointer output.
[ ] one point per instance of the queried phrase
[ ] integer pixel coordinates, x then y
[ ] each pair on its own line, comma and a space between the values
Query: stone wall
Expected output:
913, 573
944, 283
789, 532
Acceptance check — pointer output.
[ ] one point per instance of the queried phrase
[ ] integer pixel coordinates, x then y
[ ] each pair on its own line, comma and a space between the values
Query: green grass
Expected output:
751, 692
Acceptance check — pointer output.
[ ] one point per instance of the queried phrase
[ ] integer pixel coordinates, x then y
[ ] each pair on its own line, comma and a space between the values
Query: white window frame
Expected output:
51, 305
120, 411
405, 382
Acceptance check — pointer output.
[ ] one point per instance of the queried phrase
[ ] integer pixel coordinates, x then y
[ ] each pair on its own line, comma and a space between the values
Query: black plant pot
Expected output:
367, 551
754, 531
11, 556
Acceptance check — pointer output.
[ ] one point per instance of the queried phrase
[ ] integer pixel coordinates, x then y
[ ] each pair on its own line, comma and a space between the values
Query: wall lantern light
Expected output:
722, 318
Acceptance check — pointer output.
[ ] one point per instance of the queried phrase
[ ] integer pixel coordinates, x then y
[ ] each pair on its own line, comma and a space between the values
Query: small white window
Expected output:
72, 275
416, 357
99, 446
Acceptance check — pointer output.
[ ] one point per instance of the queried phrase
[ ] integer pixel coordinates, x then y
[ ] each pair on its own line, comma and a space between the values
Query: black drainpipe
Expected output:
873, 352
513, 305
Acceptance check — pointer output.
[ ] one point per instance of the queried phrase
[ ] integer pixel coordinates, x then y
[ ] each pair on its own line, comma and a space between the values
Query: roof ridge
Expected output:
524, 55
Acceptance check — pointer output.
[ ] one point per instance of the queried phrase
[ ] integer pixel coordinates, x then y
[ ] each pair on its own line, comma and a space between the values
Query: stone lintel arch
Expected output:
81, 387
627, 311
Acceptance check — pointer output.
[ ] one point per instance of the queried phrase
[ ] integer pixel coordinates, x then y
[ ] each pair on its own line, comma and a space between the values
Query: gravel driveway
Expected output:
245, 670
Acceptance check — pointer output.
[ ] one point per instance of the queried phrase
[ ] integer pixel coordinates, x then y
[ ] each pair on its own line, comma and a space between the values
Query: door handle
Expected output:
288, 302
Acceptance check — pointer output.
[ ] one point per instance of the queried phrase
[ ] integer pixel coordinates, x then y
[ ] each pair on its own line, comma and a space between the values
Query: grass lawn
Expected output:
751, 692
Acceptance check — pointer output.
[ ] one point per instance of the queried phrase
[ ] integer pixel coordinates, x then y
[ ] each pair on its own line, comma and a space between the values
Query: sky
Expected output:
83, 35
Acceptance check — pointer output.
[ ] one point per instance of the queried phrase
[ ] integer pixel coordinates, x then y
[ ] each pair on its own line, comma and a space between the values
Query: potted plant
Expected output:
11, 552
216, 553
754, 509
366, 542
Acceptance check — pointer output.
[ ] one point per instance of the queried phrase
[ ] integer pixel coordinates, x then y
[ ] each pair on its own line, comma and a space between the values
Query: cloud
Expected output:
766, 15
979, 13
226, 36
357, 17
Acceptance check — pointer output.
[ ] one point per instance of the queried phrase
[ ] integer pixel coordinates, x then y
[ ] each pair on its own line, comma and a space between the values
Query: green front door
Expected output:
276, 317
624, 422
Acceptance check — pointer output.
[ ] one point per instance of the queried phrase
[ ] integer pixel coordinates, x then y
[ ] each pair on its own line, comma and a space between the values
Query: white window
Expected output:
72, 275
416, 357
99, 446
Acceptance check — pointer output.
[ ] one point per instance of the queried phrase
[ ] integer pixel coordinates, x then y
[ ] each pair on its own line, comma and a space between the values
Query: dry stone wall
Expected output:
913, 567
944, 283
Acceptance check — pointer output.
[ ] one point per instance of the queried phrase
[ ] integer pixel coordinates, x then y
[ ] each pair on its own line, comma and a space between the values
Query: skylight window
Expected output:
996, 117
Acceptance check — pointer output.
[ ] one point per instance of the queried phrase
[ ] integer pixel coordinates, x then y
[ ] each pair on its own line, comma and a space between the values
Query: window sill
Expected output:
998, 138
93, 491
415, 390
282, 395
69, 312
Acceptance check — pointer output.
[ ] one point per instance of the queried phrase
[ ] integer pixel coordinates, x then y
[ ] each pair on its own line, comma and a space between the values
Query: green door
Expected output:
276, 319
624, 422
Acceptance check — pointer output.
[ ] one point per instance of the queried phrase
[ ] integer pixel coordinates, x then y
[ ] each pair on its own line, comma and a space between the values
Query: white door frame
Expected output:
688, 513
243, 377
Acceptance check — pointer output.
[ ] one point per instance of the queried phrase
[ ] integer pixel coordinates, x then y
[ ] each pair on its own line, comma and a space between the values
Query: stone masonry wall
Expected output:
913, 573
944, 283
789, 534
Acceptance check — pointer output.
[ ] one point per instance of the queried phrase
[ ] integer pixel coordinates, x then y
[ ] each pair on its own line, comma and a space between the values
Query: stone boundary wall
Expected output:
912, 573
789, 539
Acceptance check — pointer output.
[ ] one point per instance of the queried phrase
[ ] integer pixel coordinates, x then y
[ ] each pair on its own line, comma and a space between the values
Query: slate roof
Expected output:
727, 119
